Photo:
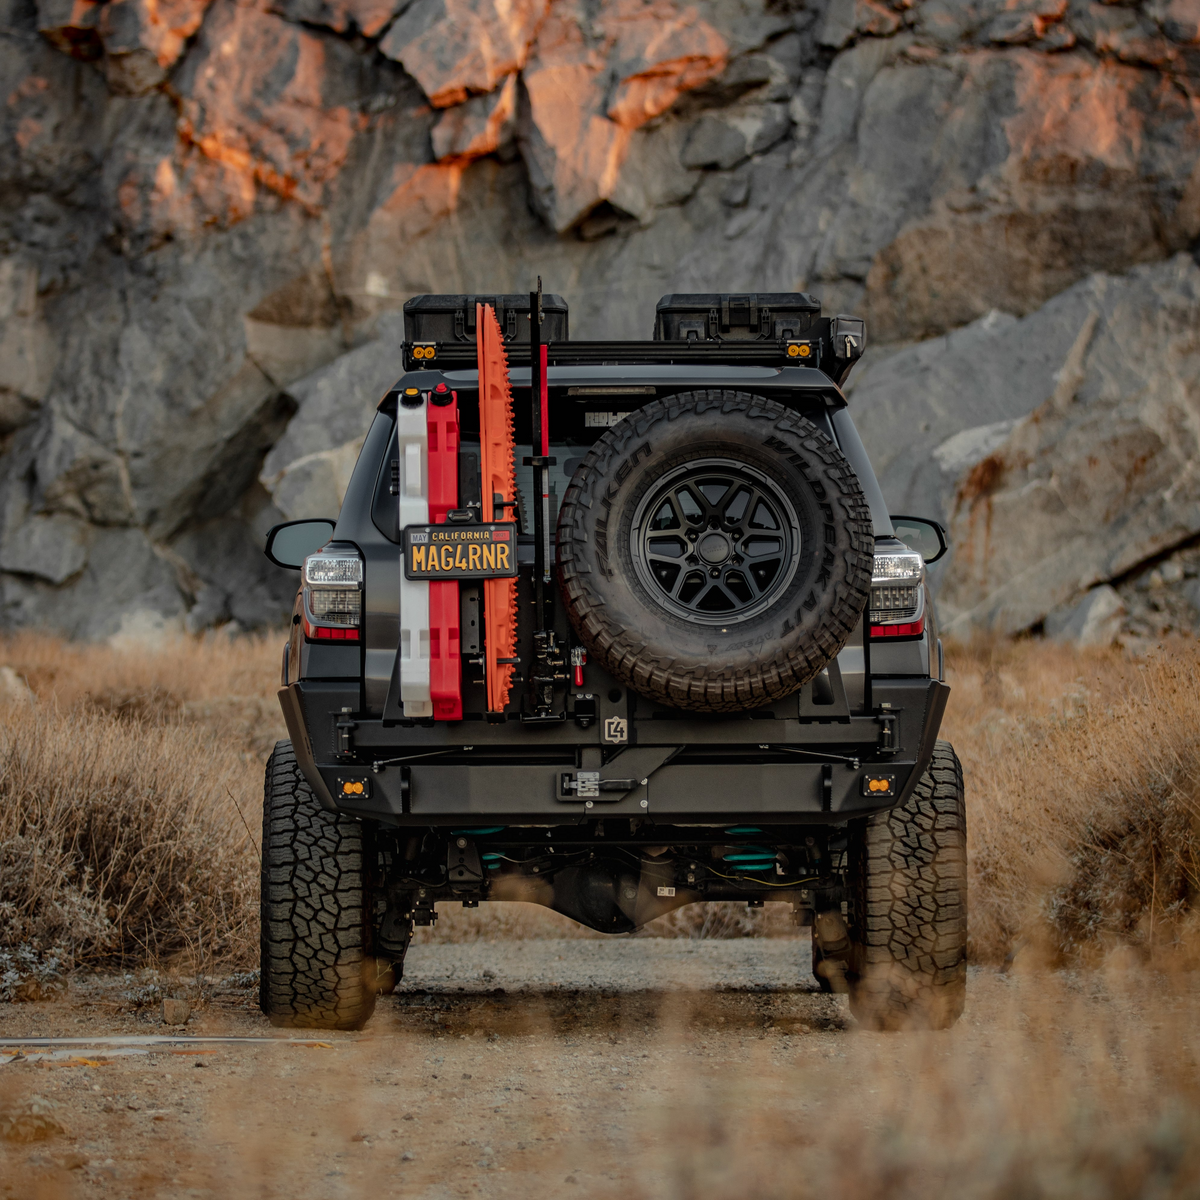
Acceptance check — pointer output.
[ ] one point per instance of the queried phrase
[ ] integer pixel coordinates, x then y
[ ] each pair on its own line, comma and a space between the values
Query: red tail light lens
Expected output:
911, 629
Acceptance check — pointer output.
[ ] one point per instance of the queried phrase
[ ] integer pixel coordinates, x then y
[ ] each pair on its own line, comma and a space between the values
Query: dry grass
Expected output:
1056, 1086
121, 837
1083, 781
1065, 1087
130, 796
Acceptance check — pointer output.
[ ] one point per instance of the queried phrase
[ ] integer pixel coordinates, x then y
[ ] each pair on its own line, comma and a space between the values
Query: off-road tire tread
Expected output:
313, 907
909, 912
714, 687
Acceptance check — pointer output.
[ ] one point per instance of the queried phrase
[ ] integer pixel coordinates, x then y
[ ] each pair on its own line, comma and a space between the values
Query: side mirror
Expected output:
927, 538
289, 544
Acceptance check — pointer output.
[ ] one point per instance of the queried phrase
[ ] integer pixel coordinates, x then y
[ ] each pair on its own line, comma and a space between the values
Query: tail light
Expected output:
333, 581
897, 607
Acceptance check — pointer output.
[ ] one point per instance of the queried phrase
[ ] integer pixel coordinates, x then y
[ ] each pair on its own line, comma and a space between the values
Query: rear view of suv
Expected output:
614, 627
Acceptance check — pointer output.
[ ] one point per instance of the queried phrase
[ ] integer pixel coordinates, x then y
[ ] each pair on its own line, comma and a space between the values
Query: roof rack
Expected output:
461, 356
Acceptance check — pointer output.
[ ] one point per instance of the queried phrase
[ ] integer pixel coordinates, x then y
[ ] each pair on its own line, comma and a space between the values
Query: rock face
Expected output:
1060, 448
215, 208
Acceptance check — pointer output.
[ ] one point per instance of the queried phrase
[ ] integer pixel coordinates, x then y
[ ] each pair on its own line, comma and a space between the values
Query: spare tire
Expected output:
714, 551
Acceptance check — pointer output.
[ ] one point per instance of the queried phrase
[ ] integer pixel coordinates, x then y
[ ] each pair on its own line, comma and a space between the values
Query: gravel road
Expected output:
629, 1068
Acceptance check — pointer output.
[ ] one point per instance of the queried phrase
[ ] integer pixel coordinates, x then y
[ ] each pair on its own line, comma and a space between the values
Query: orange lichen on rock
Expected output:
580, 135
422, 197
1071, 114
661, 51
255, 105
478, 127
457, 48
161, 27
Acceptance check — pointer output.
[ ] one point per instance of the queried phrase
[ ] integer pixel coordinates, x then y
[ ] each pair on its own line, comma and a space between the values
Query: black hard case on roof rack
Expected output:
730, 316
449, 319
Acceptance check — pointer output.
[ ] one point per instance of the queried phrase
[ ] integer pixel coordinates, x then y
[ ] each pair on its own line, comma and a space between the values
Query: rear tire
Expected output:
315, 972
908, 918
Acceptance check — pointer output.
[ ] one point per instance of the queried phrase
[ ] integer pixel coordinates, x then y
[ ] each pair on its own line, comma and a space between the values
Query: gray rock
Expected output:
839, 25
1097, 477
1053, 446
845, 86
53, 548
653, 176
307, 470
1094, 620
76, 474
211, 608
180, 269
1014, 29
456, 48
139, 589
342, 16
929, 412
237, 581
73, 28
26, 344
715, 142
479, 126
736, 134
1180, 20
844, 19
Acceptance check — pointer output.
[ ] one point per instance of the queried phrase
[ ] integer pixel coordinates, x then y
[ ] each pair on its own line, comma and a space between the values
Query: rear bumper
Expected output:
683, 772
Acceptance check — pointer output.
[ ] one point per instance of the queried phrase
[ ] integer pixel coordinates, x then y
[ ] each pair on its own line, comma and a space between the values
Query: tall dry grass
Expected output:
1055, 1088
1083, 791
130, 795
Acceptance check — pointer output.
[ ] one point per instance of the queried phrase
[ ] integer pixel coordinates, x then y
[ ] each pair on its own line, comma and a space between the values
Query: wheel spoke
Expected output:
742, 522
719, 488
743, 587
657, 549
758, 547
751, 581
715, 599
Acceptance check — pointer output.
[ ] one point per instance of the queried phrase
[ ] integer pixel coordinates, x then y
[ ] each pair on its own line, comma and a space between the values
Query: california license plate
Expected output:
460, 551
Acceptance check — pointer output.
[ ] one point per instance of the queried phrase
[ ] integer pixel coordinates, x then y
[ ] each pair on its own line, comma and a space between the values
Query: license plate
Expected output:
460, 551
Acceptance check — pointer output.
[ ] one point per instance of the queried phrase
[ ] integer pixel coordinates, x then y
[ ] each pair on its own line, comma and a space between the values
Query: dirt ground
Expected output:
633, 1067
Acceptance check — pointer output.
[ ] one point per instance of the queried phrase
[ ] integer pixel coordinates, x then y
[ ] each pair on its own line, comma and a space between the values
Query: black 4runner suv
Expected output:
614, 627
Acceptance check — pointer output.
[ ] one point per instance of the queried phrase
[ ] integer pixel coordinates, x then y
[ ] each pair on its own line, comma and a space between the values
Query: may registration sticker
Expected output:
460, 551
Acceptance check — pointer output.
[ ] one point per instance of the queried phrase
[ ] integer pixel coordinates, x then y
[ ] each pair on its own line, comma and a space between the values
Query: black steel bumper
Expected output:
678, 772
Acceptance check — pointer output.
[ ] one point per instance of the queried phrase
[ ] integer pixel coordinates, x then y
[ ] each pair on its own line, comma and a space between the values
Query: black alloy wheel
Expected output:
716, 541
